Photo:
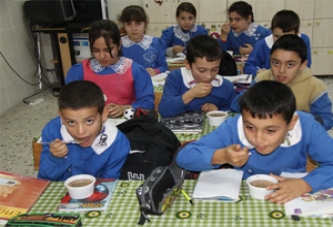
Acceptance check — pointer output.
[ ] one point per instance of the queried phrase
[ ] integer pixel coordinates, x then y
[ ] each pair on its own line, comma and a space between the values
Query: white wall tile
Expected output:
5, 22
23, 37
16, 12
116, 6
7, 73
8, 46
28, 62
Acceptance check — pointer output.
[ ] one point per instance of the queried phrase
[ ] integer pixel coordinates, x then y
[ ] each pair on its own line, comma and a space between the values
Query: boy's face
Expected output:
202, 70
186, 20
266, 134
135, 30
83, 125
238, 23
277, 33
101, 52
286, 65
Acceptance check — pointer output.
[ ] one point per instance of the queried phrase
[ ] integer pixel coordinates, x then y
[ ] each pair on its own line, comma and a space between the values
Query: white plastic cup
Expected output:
82, 191
259, 192
216, 117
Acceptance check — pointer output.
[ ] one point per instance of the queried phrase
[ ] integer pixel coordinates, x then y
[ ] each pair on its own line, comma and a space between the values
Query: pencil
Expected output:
187, 197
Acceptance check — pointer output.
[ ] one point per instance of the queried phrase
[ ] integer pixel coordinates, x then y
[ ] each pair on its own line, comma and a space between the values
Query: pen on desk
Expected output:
248, 77
187, 197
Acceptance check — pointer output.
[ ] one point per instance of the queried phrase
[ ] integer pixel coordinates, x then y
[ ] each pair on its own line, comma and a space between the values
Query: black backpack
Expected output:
152, 145
228, 65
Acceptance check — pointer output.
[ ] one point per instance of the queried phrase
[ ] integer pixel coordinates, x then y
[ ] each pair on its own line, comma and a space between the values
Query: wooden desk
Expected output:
123, 210
64, 46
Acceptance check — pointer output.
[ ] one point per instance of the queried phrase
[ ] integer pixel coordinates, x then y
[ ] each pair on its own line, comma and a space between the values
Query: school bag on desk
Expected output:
159, 190
152, 145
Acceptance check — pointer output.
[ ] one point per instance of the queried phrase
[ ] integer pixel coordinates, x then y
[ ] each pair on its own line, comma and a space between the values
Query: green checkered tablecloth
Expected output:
124, 211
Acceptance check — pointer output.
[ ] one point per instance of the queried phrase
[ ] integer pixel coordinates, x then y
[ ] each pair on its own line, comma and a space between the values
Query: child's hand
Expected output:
287, 189
58, 148
208, 107
202, 90
225, 28
178, 49
151, 71
115, 110
247, 49
236, 155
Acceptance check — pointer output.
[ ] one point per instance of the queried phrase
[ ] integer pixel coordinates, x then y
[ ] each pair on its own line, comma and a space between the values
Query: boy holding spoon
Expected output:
81, 140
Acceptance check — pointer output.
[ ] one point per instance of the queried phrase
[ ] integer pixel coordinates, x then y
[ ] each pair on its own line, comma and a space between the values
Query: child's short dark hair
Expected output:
81, 94
203, 46
106, 29
133, 13
186, 7
267, 98
293, 43
242, 8
286, 20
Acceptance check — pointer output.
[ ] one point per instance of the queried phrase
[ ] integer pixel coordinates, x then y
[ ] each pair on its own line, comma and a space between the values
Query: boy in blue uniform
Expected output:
269, 137
197, 86
284, 22
81, 140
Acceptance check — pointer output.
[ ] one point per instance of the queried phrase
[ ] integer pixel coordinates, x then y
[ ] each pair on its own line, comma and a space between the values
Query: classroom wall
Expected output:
17, 46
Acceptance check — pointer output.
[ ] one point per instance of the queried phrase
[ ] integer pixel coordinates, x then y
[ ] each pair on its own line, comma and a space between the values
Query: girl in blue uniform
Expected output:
240, 33
125, 83
144, 49
176, 37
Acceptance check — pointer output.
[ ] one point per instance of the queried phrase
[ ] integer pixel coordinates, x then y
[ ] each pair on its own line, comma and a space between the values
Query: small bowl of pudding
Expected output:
257, 185
80, 186
216, 117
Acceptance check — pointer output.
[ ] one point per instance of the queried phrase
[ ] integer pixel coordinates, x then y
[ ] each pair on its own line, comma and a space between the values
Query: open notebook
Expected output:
218, 185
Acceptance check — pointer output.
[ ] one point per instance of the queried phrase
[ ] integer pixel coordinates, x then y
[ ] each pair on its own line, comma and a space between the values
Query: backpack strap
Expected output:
143, 217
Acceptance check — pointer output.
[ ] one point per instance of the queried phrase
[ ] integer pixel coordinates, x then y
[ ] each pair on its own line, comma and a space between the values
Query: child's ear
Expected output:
249, 19
303, 65
61, 117
187, 64
105, 114
293, 122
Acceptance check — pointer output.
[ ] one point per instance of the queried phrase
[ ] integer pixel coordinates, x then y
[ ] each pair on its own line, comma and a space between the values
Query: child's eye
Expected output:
290, 65
270, 131
89, 122
71, 123
249, 127
275, 63
95, 50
